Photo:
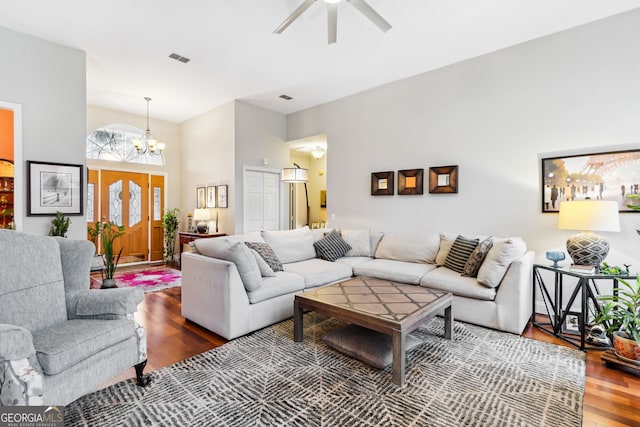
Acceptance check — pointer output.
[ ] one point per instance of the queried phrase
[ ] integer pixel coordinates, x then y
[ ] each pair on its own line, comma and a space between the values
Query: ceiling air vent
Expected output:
286, 97
177, 57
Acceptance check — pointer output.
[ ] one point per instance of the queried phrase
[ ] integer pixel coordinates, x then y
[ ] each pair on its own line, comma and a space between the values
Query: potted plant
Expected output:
170, 224
59, 225
621, 315
108, 234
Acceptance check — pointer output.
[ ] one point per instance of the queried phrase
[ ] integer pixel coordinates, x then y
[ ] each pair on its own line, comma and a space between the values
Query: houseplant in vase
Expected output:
170, 224
59, 225
621, 315
108, 234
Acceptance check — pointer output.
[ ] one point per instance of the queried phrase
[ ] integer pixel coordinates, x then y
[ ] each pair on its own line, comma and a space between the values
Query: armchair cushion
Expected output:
17, 343
63, 345
104, 302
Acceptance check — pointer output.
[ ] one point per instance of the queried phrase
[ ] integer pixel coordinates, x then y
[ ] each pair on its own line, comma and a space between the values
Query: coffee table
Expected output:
385, 306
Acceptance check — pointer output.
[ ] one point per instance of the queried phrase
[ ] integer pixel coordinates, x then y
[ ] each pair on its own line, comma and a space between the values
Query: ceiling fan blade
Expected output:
364, 8
332, 22
295, 15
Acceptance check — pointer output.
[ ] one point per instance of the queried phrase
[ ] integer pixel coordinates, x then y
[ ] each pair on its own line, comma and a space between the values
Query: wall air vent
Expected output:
177, 57
286, 97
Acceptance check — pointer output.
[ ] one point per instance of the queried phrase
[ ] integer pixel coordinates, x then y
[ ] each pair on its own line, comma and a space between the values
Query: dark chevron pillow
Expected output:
331, 246
267, 254
459, 253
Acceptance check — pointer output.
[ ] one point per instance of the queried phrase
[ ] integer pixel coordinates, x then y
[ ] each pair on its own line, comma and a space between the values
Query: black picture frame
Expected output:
572, 324
443, 179
201, 197
410, 182
382, 183
54, 187
604, 175
223, 199
211, 196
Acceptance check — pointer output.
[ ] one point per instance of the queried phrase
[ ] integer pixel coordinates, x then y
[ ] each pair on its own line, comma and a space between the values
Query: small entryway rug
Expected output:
480, 378
151, 279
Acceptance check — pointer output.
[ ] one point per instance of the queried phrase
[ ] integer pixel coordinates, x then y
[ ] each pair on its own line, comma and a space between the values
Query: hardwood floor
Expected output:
612, 397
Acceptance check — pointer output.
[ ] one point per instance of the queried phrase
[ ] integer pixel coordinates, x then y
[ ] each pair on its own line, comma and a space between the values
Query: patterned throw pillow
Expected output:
477, 258
459, 253
331, 247
267, 254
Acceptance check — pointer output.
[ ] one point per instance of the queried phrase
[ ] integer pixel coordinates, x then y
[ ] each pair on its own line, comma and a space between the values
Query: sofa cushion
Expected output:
331, 247
368, 346
359, 240
497, 261
282, 283
477, 258
448, 280
63, 345
236, 252
398, 271
408, 247
375, 241
353, 261
318, 272
267, 254
265, 270
291, 245
446, 241
459, 253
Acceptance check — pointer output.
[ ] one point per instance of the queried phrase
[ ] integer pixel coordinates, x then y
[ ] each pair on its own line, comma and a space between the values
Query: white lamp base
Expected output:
587, 249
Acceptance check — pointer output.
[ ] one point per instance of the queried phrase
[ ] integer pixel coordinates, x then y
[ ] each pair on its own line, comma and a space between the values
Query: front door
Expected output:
125, 201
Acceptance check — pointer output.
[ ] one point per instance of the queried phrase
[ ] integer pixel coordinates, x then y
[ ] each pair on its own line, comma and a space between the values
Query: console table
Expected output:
587, 287
187, 237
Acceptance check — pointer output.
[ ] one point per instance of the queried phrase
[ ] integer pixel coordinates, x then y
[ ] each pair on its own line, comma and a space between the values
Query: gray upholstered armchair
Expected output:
59, 339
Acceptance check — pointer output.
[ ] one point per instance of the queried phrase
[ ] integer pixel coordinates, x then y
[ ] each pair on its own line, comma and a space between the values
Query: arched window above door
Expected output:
116, 142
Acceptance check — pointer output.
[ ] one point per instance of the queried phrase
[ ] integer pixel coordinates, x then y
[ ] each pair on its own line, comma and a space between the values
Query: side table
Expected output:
557, 311
187, 237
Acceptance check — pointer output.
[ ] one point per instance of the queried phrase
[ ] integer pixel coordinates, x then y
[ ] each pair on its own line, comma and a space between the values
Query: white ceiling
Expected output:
235, 55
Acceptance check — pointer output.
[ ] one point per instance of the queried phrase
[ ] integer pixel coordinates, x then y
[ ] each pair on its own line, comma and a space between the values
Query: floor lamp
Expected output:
296, 175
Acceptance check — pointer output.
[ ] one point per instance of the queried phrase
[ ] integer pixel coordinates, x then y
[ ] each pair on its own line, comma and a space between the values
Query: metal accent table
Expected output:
587, 287
388, 307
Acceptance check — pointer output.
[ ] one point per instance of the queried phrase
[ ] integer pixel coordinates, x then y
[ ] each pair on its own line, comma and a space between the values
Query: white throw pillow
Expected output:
446, 241
497, 261
236, 252
375, 241
359, 240
291, 245
265, 270
409, 247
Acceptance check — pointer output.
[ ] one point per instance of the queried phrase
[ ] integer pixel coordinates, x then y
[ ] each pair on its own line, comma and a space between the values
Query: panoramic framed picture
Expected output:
410, 182
443, 179
612, 175
211, 196
222, 196
54, 187
382, 183
201, 197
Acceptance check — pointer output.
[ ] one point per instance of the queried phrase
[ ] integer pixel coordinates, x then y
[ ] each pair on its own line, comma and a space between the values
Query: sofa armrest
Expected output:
103, 304
17, 342
514, 295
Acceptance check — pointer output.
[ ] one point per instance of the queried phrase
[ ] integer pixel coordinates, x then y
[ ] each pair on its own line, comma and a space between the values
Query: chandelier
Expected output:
149, 144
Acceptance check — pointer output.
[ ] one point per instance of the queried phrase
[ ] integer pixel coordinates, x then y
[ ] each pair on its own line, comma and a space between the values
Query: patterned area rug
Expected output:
151, 279
481, 378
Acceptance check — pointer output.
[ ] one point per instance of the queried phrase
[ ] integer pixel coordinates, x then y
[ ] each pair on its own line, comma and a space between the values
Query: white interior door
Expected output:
261, 200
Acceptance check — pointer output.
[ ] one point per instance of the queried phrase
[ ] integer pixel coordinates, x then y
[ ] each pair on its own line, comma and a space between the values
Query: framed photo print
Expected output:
201, 197
382, 183
572, 323
222, 196
410, 181
443, 179
54, 187
597, 176
211, 196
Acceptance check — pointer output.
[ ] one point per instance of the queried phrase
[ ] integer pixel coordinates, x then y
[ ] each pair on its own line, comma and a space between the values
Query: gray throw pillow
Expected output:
267, 254
460, 252
264, 268
331, 247
368, 346
477, 258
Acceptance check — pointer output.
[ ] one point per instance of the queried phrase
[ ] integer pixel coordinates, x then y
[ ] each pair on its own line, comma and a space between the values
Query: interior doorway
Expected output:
311, 154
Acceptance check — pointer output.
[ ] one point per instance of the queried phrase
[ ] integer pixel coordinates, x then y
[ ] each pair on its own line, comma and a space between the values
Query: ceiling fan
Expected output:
332, 16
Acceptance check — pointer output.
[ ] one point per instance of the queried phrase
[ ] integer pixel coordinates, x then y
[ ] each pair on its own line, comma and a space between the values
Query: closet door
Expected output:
261, 201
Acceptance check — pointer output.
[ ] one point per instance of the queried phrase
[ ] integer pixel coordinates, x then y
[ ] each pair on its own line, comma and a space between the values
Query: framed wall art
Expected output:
609, 175
443, 179
53, 187
382, 183
222, 196
410, 181
211, 196
201, 197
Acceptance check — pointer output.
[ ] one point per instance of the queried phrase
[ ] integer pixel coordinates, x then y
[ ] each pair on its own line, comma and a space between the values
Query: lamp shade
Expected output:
294, 175
589, 215
201, 215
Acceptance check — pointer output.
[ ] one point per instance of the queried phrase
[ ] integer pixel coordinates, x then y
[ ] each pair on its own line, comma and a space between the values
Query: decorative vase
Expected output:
108, 284
555, 257
625, 347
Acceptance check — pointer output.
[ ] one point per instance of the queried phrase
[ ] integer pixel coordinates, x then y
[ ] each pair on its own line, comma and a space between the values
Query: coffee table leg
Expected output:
448, 323
297, 321
399, 359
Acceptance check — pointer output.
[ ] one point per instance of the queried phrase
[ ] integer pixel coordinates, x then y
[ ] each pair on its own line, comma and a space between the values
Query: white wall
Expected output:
48, 80
493, 116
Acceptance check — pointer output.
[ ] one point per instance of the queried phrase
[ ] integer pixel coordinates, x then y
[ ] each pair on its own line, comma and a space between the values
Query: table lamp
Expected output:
201, 216
586, 247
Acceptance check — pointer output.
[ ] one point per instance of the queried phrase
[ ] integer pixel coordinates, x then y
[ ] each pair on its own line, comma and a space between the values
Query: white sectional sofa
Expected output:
229, 289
